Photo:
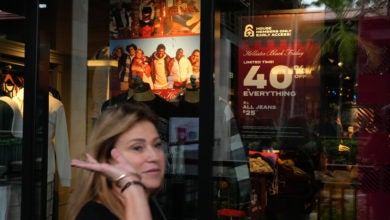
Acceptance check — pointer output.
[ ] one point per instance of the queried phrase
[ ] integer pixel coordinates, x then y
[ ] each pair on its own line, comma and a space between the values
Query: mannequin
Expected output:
11, 117
11, 125
189, 103
123, 97
58, 157
58, 142
192, 91
139, 92
143, 93
6, 117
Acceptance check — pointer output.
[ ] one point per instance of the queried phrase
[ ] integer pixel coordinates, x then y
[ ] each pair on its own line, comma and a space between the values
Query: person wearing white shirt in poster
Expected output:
180, 69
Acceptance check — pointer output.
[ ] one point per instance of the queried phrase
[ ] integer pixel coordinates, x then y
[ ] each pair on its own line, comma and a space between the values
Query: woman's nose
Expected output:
154, 153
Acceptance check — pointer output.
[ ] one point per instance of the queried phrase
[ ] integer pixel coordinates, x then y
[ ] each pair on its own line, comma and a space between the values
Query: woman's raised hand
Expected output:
115, 171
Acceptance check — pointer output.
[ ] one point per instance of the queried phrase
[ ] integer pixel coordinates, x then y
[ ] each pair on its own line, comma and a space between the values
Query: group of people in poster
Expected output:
154, 22
159, 70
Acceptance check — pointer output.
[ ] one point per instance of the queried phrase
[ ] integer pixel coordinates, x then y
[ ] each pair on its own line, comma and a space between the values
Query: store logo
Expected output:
249, 32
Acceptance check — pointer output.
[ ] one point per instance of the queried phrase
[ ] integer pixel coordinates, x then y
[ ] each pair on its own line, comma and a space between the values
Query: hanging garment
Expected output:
58, 142
14, 117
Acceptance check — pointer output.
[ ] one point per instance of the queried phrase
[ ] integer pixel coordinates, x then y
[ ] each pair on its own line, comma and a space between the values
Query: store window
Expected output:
297, 80
31, 92
285, 114
153, 57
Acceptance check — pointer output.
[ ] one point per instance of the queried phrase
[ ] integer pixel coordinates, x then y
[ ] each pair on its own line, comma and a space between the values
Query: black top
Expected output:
97, 211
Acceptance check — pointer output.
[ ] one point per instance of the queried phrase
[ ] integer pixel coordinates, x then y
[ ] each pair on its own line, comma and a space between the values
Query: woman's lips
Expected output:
152, 171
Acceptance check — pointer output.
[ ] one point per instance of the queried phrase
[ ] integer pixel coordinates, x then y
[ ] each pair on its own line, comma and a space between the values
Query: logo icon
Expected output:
249, 32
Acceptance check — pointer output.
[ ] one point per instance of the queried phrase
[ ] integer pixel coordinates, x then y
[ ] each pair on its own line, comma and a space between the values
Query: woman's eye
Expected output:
158, 145
137, 148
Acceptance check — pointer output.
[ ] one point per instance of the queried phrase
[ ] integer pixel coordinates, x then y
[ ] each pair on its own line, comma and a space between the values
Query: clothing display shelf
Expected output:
13, 52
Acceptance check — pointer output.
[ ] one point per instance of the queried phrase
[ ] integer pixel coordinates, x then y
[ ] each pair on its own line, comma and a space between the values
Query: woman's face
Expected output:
139, 54
142, 148
195, 57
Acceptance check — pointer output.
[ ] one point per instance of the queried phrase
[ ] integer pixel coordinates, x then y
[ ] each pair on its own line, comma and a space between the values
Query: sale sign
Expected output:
278, 78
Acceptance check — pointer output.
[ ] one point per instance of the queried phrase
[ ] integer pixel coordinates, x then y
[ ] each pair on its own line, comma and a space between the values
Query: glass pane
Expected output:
152, 57
25, 66
296, 113
12, 20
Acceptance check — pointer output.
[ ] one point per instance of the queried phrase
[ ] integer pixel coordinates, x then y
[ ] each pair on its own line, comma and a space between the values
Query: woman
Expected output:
141, 68
195, 62
127, 163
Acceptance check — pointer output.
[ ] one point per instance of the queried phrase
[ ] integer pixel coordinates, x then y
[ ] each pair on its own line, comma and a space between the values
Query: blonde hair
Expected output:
91, 185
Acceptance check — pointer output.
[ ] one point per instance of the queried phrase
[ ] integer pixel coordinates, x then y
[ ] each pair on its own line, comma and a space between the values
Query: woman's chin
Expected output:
153, 185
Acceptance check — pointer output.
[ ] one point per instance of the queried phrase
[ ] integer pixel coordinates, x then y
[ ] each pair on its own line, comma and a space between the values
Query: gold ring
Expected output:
119, 178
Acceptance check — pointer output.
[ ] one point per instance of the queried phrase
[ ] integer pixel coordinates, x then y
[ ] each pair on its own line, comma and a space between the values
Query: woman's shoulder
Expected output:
157, 212
95, 210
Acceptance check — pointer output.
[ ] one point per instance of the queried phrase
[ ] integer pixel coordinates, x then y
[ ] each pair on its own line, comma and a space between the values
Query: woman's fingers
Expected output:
90, 158
112, 171
82, 163
109, 170
75, 162
85, 164
106, 169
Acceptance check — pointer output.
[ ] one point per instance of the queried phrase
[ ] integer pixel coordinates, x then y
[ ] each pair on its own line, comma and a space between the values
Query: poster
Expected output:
155, 42
154, 18
278, 79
